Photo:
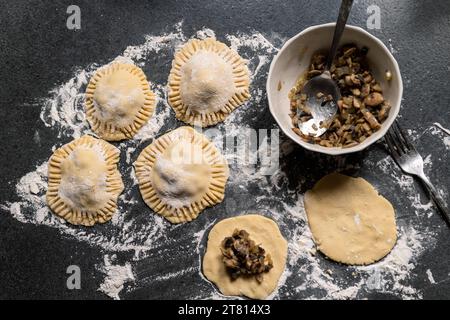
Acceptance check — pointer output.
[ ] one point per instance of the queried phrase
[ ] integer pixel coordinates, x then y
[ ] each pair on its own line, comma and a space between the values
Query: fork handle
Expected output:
437, 199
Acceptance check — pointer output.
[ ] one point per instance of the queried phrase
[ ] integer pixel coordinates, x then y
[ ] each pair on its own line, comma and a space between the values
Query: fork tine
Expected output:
398, 134
398, 140
395, 141
406, 141
389, 140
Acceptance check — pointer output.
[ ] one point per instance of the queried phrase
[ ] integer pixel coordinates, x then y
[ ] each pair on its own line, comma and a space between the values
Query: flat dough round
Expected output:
118, 101
350, 222
264, 232
180, 174
207, 82
83, 181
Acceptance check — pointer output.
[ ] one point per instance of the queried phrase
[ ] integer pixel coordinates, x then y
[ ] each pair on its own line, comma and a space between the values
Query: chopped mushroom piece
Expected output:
370, 118
374, 99
356, 92
356, 102
376, 87
355, 80
383, 112
367, 78
349, 52
314, 73
342, 71
365, 90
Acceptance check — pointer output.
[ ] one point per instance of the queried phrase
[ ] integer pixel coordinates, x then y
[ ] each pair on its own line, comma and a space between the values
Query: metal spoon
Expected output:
322, 110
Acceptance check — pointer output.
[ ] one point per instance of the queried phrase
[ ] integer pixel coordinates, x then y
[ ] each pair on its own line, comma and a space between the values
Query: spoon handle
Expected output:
344, 11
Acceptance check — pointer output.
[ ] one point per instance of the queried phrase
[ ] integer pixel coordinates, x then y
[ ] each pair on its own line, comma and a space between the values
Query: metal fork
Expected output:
411, 162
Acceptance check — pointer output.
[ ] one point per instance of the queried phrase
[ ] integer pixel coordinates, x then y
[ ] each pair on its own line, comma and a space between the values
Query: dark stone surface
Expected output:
38, 52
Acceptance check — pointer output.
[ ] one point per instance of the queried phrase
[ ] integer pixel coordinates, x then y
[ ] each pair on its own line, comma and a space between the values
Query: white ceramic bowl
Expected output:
293, 60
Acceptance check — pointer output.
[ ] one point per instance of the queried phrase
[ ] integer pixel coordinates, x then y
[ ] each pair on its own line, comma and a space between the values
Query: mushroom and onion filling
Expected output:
243, 257
362, 108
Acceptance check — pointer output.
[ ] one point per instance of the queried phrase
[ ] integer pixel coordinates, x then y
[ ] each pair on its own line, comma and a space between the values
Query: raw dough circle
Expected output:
263, 231
350, 222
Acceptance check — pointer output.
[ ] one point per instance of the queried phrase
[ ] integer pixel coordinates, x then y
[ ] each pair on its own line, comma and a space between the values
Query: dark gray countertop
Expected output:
38, 53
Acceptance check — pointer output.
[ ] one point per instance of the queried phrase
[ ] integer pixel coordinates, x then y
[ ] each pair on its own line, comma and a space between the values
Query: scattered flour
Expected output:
391, 47
116, 277
447, 142
430, 276
63, 112
174, 274
445, 139
205, 33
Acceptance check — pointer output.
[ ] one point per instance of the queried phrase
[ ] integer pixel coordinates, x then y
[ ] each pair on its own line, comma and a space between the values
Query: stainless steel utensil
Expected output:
411, 162
323, 110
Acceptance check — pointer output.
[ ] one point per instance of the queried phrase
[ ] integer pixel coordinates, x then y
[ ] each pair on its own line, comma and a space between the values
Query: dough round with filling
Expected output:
180, 174
350, 222
264, 232
83, 181
207, 82
118, 101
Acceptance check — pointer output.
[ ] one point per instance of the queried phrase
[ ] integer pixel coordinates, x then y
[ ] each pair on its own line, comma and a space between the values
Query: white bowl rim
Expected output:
327, 150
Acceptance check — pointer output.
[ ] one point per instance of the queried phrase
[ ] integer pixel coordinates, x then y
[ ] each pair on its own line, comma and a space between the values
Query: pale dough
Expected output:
208, 81
264, 232
118, 101
180, 174
83, 181
350, 222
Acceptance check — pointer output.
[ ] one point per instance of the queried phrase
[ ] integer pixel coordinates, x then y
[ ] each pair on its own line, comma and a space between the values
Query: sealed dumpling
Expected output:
118, 101
83, 181
180, 174
207, 82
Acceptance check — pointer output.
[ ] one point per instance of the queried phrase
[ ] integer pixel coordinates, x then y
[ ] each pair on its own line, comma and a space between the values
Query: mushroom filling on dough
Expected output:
243, 257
